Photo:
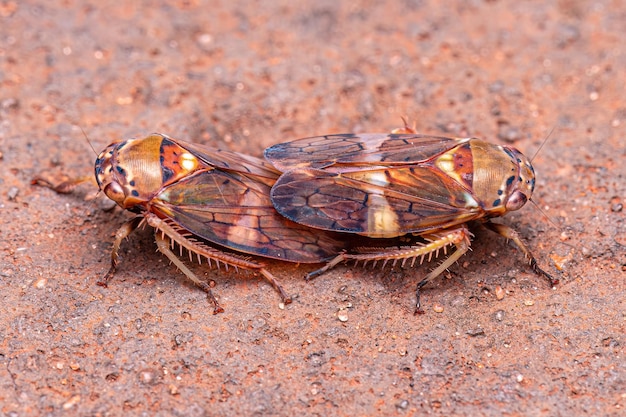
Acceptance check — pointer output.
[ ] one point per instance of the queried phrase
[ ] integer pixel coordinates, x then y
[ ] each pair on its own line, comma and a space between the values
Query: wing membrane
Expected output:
234, 211
338, 153
231, 161
377, 203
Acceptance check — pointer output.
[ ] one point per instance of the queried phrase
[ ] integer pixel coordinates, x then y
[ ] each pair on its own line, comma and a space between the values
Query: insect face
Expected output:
525, 181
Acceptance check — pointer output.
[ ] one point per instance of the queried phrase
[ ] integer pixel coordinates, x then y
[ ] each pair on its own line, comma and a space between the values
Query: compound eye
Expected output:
115, 192
516, 201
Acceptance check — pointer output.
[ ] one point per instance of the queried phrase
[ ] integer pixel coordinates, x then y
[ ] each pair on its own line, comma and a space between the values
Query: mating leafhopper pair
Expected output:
393, 197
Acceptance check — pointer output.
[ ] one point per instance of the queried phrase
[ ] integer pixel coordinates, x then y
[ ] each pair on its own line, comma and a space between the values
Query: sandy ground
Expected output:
243, 76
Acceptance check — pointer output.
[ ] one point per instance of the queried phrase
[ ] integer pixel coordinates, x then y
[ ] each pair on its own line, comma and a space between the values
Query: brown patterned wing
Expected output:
345, 152
235, 211
384, 202
231, 161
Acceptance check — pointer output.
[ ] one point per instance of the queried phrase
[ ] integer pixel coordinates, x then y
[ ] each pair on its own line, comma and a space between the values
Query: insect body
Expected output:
389, 185
214, 204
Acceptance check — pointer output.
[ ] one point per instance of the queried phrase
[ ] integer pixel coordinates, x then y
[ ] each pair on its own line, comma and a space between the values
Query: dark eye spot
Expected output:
135, 193
510, 180
132, 183
500, 192
496, 202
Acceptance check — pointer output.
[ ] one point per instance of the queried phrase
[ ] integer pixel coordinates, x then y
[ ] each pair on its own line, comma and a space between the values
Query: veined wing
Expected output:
236, 212
231, 161
345, 152
383, 202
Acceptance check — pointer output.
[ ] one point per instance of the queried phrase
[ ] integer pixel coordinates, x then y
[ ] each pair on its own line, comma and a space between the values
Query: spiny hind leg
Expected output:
403, 254
167, 229
163, 244
509, 233
459, 237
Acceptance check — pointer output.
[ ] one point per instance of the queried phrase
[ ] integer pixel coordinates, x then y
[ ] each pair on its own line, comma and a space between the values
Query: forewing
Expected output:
236, 212
376, 203
346, 152
231, 161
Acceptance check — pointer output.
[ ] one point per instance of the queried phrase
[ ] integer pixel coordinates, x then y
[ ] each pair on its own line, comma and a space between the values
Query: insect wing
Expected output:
376, 203
345, 152
235, 211
232, 161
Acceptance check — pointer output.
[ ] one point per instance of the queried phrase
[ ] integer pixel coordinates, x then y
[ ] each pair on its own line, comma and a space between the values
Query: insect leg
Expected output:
186, 240
510, 233
121, 234
274, 282
163, 243
458, 236
331, 264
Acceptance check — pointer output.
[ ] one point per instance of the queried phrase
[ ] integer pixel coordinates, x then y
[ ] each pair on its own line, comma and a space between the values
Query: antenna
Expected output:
545, 215
89, 142
542, 143
533, 201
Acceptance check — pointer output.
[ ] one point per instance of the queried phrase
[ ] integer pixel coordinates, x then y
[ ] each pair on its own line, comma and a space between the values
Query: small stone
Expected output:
499, 292
499, 315
12, 193
476, 332
148, 376
402, 405
342, 315
71, 402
